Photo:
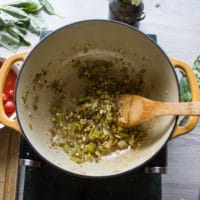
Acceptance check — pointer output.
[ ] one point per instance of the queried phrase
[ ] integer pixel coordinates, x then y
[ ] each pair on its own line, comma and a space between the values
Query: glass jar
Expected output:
127, 13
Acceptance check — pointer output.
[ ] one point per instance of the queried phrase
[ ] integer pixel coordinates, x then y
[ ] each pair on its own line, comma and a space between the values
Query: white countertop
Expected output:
69, 11
177, 25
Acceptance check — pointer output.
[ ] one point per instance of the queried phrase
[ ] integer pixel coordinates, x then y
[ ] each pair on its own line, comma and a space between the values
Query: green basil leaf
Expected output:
16, 32
27, 5
24, 24
37, 24
15, 12
197, 74
185, 90
48, 8
186, 97
8, 20
19, 17
22, 29
31, 10
184, 85
197, 63
9, 41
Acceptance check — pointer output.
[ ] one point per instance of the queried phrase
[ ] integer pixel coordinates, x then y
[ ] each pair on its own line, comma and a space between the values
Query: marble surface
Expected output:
177, 25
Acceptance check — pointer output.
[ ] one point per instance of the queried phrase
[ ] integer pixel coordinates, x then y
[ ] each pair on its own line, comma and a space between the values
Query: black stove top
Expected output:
38, 179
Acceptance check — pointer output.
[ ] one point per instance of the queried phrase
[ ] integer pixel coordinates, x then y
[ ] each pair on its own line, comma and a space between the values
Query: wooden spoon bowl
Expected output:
134, 109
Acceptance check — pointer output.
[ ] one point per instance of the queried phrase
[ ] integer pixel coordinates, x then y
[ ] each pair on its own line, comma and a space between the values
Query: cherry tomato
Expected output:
9, 84
4, 97
9, 107
10, 93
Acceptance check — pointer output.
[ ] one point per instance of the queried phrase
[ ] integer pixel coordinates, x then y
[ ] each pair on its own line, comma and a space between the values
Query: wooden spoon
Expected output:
134, 109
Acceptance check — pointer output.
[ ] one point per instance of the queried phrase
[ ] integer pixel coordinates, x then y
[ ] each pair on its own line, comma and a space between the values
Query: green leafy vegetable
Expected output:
27, 5
185, 87
197, 68
18, 34
8, 41
19, 17
7, 20
15, 12
37, 24
47, 7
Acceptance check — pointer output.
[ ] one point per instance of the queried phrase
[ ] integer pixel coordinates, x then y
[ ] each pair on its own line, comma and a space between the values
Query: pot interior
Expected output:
53, 59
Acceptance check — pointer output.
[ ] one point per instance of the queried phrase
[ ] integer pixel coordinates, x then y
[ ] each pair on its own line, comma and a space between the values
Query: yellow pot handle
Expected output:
180, 130
192, 120
4, 70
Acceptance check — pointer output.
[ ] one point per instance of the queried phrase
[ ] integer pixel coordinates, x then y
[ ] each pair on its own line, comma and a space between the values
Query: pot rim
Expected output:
52, 34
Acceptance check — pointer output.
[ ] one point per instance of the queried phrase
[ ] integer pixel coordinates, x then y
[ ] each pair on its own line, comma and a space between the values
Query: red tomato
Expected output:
4, 97
9, 107
10, 93
9, 83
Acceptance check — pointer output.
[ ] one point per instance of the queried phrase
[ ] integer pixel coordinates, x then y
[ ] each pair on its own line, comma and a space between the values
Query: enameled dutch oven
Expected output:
95, 39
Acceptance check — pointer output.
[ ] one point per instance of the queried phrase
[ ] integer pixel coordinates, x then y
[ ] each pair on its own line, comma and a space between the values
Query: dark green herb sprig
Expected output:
185, 87
19, 17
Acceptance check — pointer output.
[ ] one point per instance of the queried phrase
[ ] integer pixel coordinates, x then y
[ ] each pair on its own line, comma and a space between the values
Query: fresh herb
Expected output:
196, 68
27, 5
48, 8
185, 87
133, 2
36, 24
20, 17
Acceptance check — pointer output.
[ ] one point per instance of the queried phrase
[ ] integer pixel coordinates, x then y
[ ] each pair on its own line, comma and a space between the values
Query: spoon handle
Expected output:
190, 108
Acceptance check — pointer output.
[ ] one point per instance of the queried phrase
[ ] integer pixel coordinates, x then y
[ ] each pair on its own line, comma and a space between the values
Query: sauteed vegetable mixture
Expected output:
89, 132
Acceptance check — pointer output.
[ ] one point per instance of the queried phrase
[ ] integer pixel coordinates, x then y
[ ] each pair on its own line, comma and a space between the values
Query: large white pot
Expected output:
95, 39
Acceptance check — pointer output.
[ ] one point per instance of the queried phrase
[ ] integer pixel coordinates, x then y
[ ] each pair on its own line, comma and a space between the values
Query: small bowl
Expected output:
15, 69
